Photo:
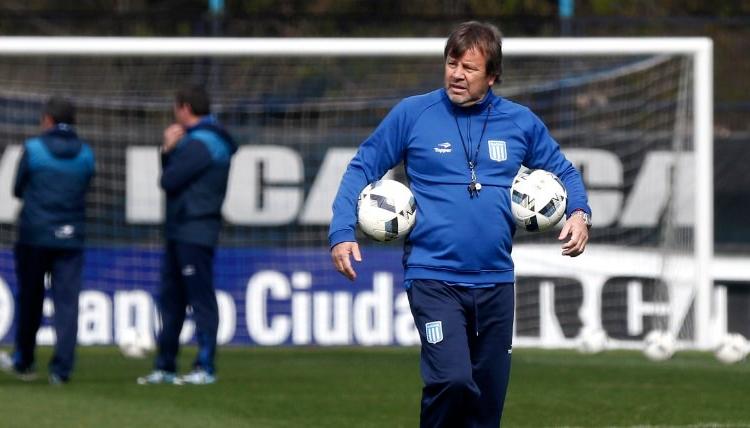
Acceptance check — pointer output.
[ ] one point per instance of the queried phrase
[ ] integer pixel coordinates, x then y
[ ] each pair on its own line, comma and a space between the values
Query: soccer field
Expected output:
380, 387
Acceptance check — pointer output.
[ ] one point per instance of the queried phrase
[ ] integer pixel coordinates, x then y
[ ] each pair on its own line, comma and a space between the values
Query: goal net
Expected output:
635, 120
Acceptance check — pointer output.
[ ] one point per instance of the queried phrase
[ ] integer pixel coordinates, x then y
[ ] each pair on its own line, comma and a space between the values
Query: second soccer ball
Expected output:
538, 200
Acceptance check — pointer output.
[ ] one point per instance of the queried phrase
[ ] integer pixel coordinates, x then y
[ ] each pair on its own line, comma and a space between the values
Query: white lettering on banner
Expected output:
227, 317
6, 308
332, 320
550, 330
94, 318
373, 312
264, 186
602, 173
302, 319
135, 309
301, 306
652, 188
673, 310
638, 308
262, 286
605, 270
336, 318
267, 189
381, 315
145, 200
9, 205
326, 184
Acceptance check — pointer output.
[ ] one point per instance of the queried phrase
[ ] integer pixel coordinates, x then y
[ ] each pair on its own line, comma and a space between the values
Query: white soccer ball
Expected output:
133, 344
538, 200
733, 348
659, 345
592, 340
386, 210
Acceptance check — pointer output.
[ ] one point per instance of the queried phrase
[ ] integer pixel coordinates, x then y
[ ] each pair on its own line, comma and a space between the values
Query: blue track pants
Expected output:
64, 267
187, 279
466, 338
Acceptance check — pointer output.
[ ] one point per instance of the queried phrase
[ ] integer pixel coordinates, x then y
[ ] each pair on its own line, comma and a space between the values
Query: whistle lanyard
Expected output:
474, 186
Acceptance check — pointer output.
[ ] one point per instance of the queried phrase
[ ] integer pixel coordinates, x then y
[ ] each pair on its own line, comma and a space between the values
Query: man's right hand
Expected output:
340, 257
172, 135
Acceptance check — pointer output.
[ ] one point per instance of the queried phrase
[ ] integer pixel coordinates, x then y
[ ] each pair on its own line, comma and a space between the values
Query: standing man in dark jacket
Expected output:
52, 179
196, 155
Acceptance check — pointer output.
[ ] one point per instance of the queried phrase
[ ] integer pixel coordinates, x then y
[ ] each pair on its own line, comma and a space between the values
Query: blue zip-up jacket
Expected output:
52, 178
194, 177
456, 238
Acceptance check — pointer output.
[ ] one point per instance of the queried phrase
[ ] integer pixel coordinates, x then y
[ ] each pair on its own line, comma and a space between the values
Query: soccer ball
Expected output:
386, 210
538, 200
133, 344
732, 349
592, 340
659, 345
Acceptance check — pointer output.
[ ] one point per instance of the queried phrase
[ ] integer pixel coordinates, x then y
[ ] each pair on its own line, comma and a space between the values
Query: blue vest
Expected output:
52, 179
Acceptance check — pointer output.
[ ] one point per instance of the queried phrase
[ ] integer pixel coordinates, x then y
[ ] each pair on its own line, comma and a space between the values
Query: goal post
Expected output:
303, 134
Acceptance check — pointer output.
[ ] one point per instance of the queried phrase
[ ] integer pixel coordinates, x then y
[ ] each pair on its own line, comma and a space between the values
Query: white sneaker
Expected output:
7, 365
6, 362
159, 376
198, 377
56, 380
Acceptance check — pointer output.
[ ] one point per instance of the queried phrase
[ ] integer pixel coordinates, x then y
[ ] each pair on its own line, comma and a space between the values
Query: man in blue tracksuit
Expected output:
462, 146
196, 155
52, 179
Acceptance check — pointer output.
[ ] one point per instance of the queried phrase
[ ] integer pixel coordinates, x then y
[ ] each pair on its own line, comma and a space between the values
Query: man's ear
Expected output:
47, 121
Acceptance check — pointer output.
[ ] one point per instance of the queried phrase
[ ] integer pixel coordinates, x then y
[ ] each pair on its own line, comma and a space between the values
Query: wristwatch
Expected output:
584, 215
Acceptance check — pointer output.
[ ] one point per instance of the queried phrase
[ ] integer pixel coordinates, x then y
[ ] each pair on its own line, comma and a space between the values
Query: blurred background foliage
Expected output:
727, 22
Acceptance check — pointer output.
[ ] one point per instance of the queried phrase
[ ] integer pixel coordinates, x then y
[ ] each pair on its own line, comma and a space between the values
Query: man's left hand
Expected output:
578, 233
172, 136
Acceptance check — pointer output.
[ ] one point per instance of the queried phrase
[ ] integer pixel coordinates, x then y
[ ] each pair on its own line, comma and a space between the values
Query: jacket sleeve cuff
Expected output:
339, 236
571, 210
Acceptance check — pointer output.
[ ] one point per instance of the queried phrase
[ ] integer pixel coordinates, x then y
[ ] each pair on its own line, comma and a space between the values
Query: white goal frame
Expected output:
699, 49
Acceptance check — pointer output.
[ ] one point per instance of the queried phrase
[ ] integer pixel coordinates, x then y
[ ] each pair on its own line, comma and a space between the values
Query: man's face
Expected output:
466, 79
181, 113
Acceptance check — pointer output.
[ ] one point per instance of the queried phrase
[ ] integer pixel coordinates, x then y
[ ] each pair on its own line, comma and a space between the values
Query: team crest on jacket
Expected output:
498, 150
434, 331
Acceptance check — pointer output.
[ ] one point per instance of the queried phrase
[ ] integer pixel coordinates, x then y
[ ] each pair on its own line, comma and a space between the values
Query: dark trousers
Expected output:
64, 267
187, 279
466, 336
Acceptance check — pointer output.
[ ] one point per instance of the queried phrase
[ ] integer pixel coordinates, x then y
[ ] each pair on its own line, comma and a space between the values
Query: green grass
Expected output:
379, 387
